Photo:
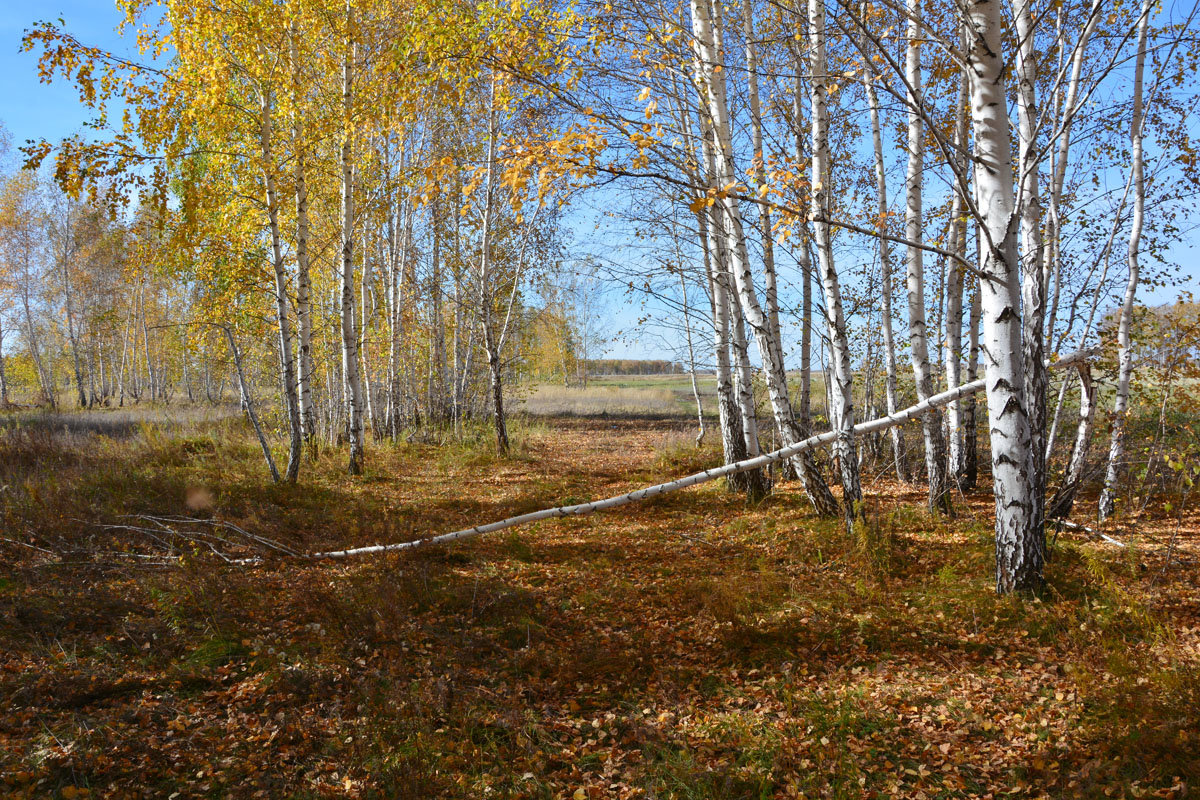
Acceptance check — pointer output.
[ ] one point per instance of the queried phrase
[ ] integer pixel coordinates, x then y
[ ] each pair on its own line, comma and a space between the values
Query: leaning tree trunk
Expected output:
1020, 543
1064, 500
733, 441
287, 362
770, 289
743, 378
1116, 450
580, 509
248, 403
743, 372
935, 443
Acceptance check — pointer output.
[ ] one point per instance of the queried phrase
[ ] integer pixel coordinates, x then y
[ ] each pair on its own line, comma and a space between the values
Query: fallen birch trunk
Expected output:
1095, 534
880, 424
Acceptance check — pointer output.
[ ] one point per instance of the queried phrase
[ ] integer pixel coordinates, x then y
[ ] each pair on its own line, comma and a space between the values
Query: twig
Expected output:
699, 540
30, 546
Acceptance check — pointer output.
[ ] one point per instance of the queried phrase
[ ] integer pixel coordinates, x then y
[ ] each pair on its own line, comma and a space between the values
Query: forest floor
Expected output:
685, 647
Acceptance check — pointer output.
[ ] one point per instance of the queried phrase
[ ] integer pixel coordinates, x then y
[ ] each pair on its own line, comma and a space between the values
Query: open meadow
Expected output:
690, 646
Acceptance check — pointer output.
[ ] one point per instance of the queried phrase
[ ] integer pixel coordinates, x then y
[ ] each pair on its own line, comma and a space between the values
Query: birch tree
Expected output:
352, 381
842, 391
899, 455
1020, 543
935, 444
1116, 448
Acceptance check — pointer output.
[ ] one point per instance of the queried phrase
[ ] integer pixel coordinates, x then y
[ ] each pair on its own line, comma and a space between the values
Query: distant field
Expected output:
639, 395
623, 395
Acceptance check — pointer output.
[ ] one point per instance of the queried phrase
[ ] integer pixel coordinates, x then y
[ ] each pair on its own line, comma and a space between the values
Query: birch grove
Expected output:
354, 217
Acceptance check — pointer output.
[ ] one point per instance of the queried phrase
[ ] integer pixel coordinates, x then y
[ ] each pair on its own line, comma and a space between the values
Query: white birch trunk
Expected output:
1053, 259
308, 412
896, 435
954, 295
805, 466
711, 84
687, 330
770, 289
286, 360
1020, 544
1064, 499
935, 445
1033, 286
352, 382
486, 295
968, 478
1116, 450
743, 379
841, 392
248, 404
4, 401
733, 440
365, 311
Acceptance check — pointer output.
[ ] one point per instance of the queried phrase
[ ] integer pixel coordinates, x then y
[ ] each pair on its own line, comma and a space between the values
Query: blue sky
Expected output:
28, 108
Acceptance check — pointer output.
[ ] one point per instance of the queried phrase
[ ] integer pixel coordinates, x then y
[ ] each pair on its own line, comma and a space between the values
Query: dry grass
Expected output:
117, 422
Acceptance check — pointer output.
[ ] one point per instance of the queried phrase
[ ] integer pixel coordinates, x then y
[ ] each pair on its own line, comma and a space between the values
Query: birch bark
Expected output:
486, 299
286, 360
733, 441
1064, 499
711, 84
935, 444
308, 412
954, 295
896, 435
841, 392
687, 330
968, 477
352, 382
1116, 449
1033, 287
1020, 553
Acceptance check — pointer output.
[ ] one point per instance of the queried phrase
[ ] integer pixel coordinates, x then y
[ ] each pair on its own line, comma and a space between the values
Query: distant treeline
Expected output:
633, 366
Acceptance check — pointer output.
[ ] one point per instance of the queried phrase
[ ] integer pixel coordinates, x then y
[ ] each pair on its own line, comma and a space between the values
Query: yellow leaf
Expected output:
644, 94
